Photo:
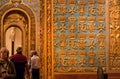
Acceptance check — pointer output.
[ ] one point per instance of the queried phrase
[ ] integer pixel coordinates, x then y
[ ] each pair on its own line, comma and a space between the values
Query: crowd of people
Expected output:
18, 66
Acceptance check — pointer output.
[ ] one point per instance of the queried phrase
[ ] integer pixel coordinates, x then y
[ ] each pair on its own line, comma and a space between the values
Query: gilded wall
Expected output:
79, 35
114, 27
72, 36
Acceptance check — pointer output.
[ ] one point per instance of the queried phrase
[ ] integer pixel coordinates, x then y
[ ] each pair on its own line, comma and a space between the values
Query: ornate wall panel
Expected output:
49, 38
35, 6
41, 40
79, 34
114, 55
2, 2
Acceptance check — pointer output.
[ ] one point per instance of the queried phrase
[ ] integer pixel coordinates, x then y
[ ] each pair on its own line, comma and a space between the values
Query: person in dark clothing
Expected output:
100, 73
20, 62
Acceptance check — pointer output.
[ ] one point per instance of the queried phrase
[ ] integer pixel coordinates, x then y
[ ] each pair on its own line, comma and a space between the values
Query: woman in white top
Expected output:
35, 65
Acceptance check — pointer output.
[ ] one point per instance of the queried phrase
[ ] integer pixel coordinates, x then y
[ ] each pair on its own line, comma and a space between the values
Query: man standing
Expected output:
20, 62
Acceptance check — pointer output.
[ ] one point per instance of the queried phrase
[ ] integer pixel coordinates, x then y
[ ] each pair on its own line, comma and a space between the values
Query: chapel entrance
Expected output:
18, 28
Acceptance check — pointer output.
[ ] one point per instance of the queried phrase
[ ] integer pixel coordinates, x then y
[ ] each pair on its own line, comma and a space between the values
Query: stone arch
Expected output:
31, 22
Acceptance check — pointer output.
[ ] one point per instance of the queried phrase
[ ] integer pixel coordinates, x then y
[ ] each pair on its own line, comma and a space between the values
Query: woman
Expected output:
7, 69
35, 65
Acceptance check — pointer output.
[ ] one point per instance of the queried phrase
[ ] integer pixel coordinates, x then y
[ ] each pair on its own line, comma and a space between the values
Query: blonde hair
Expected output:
4, 50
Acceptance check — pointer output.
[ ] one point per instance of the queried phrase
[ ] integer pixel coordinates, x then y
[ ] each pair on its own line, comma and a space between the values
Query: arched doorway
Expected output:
22, 17
29, 31
13, 37
15, 31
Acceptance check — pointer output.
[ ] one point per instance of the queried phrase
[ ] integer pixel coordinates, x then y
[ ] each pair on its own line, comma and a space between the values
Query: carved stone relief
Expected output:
114, 55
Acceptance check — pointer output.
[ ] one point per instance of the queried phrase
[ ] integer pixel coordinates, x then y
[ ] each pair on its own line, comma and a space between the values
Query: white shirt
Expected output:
35, 62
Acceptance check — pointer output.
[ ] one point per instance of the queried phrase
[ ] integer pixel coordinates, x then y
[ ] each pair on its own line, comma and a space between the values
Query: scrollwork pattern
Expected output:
114, 14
